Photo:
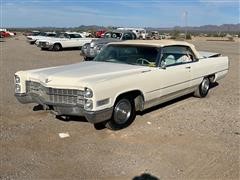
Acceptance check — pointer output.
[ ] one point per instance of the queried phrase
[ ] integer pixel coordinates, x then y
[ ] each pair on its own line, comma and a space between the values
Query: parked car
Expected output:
33, 38
90, 50
124, 78
100, 33
4, 33
58, 35
32, 33
139, 32
154, 35
67, 40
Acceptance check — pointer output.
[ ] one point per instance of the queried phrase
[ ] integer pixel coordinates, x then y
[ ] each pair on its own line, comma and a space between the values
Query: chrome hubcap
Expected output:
205, 86
122, 111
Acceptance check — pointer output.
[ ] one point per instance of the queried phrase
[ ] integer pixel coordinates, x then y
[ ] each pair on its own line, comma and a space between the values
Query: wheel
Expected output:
57, 47
203, 88
88, 58
123, 114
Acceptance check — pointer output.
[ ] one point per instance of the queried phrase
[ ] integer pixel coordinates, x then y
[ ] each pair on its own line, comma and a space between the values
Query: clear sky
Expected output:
129, 13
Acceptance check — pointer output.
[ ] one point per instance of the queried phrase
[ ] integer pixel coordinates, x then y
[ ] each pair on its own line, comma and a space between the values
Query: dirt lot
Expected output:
189, 138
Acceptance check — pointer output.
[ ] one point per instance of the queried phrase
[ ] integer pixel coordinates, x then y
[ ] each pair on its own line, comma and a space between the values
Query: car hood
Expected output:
35, 37
84, 73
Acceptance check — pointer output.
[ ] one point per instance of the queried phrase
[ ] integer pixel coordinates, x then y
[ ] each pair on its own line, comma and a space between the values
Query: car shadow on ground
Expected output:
65, 49
71, 118
39, 107
145, 176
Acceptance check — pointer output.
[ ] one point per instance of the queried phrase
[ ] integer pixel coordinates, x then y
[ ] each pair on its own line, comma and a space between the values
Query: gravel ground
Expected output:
188, 138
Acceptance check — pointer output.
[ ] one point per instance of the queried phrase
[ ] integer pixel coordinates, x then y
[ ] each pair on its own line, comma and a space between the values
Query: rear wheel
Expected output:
123, 114
203, 88
57, 47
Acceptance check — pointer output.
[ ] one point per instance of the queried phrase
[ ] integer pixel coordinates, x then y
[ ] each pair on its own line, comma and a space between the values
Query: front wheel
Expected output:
57, 47
123, 114
203, 88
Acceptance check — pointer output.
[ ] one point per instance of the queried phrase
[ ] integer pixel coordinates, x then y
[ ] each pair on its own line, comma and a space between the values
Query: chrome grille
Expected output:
55, 96
42, 44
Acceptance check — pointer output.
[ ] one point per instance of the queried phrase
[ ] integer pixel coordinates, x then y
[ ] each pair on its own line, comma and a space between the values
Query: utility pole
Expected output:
185, 14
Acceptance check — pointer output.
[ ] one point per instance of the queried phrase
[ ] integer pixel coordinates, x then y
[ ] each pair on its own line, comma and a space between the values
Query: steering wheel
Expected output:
143, 61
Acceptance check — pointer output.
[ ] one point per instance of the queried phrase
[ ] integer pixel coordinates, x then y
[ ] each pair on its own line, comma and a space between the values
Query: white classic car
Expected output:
66, 40
32, 39
124, 78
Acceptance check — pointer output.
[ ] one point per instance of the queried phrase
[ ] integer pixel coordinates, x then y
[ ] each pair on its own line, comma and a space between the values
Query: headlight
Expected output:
88, 104
17, 88
92, 44
17, 79
98, 49
88, 93
47, 43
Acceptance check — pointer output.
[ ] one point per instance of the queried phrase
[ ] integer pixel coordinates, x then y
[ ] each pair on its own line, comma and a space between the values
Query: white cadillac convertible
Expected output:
124, 78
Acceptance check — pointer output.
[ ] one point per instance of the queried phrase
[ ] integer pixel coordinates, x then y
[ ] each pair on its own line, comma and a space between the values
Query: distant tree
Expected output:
175, 34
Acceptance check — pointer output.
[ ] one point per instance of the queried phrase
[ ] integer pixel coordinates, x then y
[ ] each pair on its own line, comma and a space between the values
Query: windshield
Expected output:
59, 35
51, 34
35, 33
42, 34
129, 54
72, 35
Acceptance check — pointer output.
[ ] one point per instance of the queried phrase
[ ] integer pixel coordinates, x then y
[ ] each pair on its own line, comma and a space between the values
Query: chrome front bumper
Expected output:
88, 52
44, 45
69, 110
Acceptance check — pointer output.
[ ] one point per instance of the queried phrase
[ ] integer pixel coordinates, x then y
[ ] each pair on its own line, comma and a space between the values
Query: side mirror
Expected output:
163, 65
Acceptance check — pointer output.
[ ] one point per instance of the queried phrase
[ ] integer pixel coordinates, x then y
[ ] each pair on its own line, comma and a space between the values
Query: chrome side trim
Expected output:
168, 97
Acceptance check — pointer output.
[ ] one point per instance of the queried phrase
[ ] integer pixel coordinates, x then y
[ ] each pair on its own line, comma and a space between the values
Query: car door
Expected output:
74, 41
78, 40
71, 41
174, 77
66, 41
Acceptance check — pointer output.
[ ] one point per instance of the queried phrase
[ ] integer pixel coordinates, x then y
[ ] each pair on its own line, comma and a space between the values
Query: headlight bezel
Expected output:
88, 93
17, 88
17, 79
92, 44
88, 104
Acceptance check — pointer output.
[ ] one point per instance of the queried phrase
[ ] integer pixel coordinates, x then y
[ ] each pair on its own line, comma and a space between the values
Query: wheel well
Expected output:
211, 78
137, 97
58, 44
